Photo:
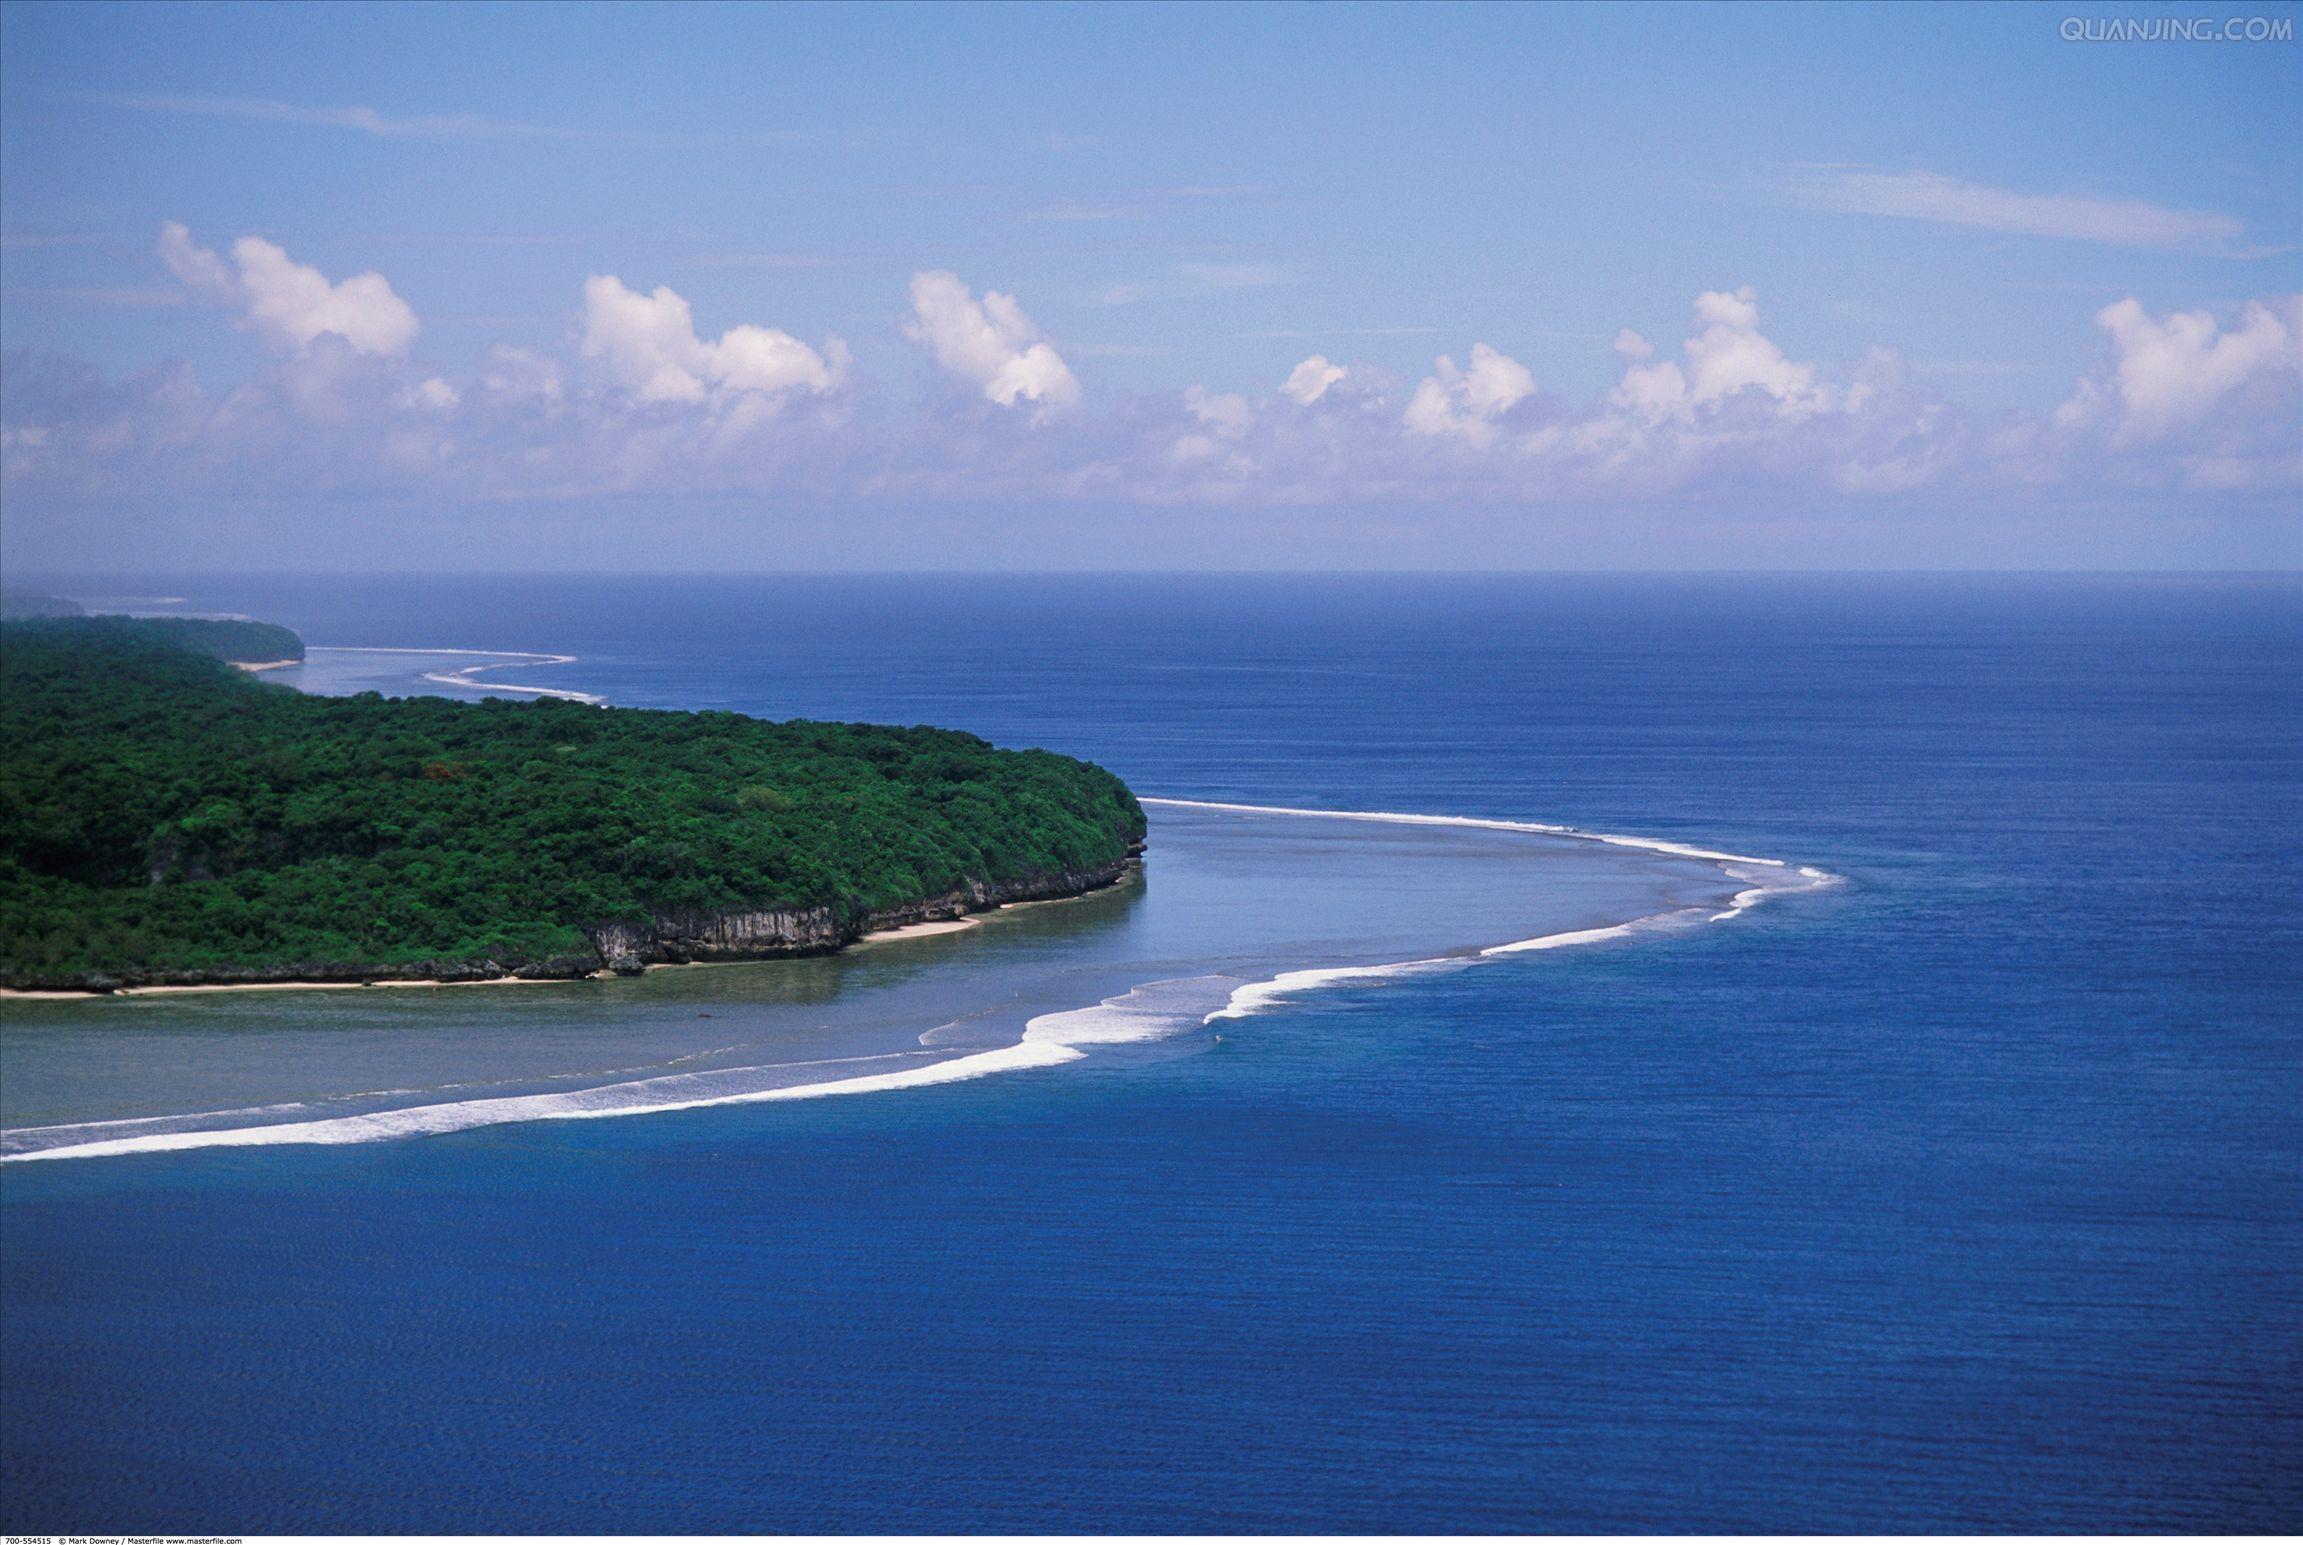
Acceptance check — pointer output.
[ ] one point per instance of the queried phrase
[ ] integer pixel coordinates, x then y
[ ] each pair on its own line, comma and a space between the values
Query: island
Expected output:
169, 820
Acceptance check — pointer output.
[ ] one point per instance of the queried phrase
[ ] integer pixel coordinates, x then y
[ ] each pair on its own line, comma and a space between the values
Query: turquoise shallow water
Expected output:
1229, 911
1960, 1194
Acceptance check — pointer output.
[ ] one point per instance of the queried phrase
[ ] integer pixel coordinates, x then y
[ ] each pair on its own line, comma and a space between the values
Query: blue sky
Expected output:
1185, 204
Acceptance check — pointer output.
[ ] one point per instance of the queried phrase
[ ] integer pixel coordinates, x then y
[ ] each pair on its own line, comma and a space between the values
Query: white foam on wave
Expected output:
1574, 936
1144, 1013
1255, 997
16, 1135
467, 677
1751, 896
1479, 822
679, 1091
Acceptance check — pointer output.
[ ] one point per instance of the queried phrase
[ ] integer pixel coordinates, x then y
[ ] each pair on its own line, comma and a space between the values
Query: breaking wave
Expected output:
1149, 1012
467, 676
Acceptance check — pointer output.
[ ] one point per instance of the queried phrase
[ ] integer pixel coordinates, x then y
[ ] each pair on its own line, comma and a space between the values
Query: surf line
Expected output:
1483, 823
1255, 996
1049, 1040
467, 676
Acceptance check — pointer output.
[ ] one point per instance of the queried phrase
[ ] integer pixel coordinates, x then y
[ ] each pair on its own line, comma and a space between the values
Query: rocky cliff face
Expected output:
627, 948
747, 935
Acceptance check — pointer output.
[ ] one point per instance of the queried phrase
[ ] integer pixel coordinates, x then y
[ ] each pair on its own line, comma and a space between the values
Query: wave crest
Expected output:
1148, 1012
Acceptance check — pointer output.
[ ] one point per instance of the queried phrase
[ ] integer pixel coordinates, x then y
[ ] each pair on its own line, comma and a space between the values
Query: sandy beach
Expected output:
879, 936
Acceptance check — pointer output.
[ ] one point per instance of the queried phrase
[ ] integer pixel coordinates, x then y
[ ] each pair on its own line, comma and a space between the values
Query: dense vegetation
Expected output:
165, 817
233, 639
249, 643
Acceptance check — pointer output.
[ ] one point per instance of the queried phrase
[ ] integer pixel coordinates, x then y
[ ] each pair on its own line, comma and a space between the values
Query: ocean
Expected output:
1961, 1190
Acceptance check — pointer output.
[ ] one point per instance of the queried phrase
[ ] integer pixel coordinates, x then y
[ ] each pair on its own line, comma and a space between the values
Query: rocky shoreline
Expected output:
625, 949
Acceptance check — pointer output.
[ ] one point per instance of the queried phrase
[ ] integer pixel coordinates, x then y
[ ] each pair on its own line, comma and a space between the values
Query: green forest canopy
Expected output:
163, 816
226, 638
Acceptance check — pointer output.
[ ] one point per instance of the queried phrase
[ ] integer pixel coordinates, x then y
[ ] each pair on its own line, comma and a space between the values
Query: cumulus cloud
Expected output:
290, 304
2171, 373
1728, 355
1466, 402
649, 346
989, 343
200, 269
431, 395
1226, 413
2186, 400
1309, 381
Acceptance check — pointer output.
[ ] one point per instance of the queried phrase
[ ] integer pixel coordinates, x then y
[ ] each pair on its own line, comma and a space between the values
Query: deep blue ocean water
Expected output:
1967, 1194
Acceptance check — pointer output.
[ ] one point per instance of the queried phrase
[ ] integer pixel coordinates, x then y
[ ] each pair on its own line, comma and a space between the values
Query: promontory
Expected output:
167, 819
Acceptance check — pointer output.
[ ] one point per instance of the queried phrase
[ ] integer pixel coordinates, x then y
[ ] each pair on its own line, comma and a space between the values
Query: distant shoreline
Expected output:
468, 677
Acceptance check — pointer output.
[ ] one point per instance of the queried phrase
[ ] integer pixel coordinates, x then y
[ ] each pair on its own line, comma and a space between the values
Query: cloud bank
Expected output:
642, 404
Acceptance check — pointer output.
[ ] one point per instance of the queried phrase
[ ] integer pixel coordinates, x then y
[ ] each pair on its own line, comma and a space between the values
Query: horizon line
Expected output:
2292, 572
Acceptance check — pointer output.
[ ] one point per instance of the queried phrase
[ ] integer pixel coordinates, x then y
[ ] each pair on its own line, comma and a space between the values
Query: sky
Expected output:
1150, 287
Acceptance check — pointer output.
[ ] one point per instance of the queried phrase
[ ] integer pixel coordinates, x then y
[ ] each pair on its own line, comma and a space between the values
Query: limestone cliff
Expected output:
762, 935
627, 948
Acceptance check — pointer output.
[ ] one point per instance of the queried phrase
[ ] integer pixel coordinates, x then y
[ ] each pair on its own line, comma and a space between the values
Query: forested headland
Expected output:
34, 603
165, 818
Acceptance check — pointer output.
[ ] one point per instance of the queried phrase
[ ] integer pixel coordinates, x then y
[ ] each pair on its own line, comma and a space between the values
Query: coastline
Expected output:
467, 678
1148, 1011
640, 941
952, 912
1774, 876
1155, 1007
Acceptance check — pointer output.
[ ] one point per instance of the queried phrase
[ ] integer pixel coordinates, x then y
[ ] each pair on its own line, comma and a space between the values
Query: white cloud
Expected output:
521, 373
2172, 373
1467, 402
990, 344
1631, 346
431, 395
1309, 381
291, 303
296, 302
2184, 401
200, 269
2077, 217
1227, 413
1729, 355
650, 347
